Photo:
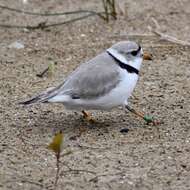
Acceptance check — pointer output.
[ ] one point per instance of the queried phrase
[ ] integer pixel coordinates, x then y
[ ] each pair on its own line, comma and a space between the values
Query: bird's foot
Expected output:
88, 117
151, 120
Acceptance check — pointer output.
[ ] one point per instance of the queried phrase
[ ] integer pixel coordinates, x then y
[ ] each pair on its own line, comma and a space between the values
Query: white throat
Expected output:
136, 62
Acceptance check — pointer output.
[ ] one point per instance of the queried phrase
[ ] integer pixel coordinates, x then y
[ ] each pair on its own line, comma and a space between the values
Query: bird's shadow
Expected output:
69, 122
48, 121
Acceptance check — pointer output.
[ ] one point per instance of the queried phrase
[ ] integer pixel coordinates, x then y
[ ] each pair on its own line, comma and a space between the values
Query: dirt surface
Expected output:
147, 157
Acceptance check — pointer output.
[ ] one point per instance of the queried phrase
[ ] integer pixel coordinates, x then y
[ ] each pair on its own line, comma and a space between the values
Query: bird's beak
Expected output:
147, 56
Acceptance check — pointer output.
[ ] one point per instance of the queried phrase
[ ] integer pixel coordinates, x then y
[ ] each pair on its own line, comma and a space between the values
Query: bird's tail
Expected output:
42, 97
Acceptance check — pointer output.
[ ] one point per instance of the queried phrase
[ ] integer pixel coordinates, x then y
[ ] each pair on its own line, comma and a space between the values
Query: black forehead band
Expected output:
139, 48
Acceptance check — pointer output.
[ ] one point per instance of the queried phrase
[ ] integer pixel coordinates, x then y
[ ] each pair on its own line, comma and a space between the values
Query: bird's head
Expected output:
129, 52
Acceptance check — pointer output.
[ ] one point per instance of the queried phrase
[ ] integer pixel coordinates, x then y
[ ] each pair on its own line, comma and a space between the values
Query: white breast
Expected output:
122, 92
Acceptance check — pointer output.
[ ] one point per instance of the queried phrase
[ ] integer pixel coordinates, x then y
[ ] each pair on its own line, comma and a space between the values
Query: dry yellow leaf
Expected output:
55, 145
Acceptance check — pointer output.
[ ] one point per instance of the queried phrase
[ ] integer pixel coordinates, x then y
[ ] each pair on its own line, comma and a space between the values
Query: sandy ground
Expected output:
145, 158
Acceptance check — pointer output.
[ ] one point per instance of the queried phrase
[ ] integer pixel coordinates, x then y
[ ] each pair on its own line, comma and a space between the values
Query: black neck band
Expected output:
129, 68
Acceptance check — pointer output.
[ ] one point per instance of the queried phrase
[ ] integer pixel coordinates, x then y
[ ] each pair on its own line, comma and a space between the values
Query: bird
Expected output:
102, 83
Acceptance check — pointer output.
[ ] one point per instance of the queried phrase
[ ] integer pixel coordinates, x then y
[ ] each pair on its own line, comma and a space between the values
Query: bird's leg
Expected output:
88, 116
147, 118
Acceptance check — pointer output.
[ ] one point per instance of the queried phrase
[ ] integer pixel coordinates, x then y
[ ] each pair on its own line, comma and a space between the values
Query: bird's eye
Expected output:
134, 53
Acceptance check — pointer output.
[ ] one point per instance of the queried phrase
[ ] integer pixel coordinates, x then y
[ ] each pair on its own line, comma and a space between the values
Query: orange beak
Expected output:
147, 56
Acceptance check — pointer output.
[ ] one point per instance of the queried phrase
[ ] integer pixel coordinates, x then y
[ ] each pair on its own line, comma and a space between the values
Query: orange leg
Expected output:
148, 119
88, 117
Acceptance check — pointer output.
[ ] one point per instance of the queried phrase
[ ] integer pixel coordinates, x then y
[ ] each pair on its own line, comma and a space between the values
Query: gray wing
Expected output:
90, 80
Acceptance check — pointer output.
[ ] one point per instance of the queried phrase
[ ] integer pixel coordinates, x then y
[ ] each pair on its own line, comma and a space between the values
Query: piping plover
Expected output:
102, 83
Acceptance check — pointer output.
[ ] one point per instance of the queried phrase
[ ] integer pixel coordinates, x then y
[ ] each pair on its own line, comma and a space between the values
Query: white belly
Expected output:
114, 98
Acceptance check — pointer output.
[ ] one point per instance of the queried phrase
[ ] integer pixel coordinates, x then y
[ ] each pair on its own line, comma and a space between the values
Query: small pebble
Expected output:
124, 130
73, 138
16, 45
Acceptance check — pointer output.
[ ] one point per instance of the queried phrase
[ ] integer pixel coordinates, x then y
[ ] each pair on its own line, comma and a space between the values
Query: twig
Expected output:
106, 10
75, 170
58, 169
130, 35
49, 70
26, 181
31, 182
170, 38
104, 175
113, 9
109, 8
22, 179
78, 171
93, 148
44, 25
156, 23
42, 73
47, 14
165, 36
37, 82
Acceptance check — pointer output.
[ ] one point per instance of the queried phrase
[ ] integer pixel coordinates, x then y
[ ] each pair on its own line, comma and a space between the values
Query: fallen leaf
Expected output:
55, 145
